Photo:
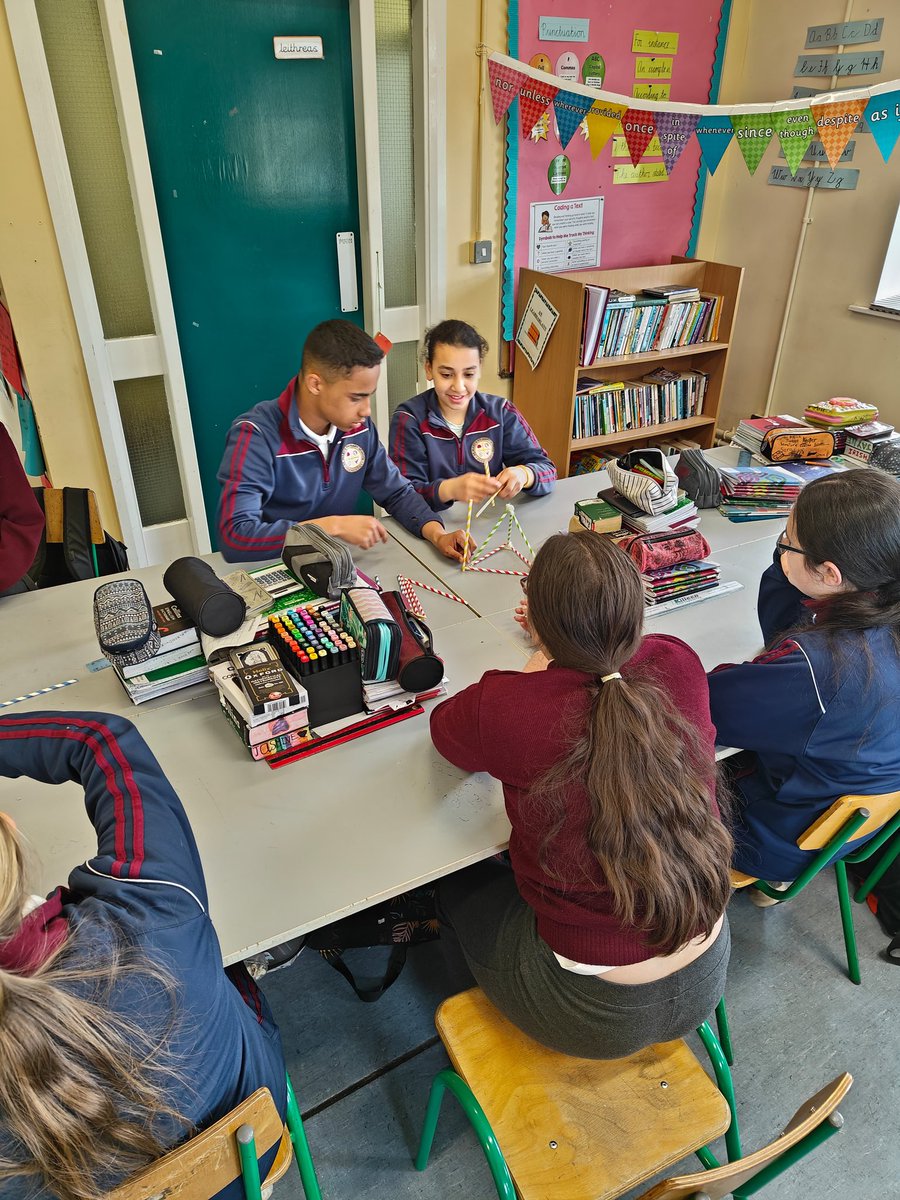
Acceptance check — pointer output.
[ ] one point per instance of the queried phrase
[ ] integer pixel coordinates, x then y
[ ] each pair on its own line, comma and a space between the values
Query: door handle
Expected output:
346, 261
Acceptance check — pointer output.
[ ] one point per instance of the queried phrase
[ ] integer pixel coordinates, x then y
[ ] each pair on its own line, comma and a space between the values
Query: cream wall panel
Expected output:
38, 297
827, 350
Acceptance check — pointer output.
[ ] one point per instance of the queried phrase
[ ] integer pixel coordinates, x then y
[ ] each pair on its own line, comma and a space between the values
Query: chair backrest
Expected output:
881, 809
210, 1161
714, 1185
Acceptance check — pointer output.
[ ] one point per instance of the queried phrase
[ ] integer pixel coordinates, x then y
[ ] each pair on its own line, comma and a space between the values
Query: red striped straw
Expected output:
437, 591
497, 571
410, 599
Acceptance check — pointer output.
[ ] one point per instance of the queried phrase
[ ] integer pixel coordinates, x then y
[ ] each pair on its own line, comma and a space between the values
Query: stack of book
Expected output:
653, 321
751, 430
870, 443
758, 493
179, 662
684, 579
265, 728
683, 516
390, 695
603, 407
840, 411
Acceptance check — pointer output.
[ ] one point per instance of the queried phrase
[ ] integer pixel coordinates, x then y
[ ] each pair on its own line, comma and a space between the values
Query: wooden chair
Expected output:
848, 819
553, 1127
229, 1150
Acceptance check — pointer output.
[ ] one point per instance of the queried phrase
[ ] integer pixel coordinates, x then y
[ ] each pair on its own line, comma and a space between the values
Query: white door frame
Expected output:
109, 360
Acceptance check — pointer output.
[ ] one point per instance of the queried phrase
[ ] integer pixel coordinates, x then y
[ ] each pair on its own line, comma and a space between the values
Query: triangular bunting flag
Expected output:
534, 100
570, 109
505, 86
714, 135
883, 117
639, 126
754, 131
836, 123
602, 121
674, 130
796, 129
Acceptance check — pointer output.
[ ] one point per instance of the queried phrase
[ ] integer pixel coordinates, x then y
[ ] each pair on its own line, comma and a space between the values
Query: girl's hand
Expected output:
513, 479
521, 618
470, 486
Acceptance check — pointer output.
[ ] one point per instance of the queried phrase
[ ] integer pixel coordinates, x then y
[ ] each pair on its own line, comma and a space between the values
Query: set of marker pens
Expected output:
318, 651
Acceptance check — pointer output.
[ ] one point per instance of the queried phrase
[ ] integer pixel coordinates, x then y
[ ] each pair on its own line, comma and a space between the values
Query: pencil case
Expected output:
699, 478
629, 477
124, 624
364, 615
214, 607
419, 668
320, 561
791, 445
653, 551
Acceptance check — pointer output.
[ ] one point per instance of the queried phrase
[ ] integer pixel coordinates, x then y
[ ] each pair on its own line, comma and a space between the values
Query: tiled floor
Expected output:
363, 1070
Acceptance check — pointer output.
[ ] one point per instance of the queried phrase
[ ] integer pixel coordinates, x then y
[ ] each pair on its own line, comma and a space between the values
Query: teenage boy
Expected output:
307, 455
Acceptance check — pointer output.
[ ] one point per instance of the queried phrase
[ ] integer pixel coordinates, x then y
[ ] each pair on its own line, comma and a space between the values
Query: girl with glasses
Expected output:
820, 709
609, 932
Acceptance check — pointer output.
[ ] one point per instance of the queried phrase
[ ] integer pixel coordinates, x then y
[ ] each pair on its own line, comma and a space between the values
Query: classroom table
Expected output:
289, 850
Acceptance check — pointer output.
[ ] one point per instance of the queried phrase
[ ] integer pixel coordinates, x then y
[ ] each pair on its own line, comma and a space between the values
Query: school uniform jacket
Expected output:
145, 880
822, 714
272, 476
427, 450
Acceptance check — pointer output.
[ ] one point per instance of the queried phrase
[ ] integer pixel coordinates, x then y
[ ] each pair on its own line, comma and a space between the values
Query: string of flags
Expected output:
832, 117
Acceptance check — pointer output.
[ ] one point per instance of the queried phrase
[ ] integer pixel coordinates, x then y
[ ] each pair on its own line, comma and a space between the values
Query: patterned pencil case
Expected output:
653, 551
637, 476
124, 624
791, 445
364, 615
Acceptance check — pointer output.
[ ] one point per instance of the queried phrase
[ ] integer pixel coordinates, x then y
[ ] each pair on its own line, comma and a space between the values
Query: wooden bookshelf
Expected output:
546, 395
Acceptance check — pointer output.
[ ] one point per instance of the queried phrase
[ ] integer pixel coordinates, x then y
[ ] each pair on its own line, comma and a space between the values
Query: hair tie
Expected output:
607, 678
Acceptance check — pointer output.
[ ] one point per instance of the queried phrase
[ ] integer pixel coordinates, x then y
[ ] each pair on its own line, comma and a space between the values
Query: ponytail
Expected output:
82, 1089
663, 852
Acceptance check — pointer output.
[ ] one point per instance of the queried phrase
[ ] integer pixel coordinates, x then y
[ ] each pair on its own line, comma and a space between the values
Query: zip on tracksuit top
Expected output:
145, 888
427, 450
821, 712
272, 476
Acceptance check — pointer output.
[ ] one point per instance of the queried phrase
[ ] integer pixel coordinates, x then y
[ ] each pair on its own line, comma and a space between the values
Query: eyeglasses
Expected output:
782, 547
524, 582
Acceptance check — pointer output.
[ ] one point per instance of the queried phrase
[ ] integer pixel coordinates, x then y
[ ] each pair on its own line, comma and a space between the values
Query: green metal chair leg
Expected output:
813, 1139
726, 1087
875, 877
305, 1165
724, 1032
448, 1080
249, 1163
843, 890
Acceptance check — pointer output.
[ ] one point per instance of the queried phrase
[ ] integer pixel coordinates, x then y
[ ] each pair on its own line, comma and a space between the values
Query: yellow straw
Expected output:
468, 527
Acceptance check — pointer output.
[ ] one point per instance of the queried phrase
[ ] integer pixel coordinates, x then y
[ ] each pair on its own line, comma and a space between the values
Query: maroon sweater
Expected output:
515, 726
21, 519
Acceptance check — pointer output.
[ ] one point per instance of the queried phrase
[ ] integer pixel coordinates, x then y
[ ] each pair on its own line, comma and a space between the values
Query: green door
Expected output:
254, 168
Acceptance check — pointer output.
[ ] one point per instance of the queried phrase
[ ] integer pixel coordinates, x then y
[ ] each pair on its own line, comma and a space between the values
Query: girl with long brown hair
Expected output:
609, 932
120, 1033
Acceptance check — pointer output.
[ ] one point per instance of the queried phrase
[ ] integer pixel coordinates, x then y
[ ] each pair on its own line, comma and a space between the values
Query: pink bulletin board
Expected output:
643, 223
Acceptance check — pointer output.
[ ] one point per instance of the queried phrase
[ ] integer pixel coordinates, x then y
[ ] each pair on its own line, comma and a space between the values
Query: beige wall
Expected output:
827, 350
473, 292
36, 290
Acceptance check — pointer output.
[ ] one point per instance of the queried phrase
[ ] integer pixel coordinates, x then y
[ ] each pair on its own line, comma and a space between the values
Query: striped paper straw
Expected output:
497, 571
437, 591
410, 599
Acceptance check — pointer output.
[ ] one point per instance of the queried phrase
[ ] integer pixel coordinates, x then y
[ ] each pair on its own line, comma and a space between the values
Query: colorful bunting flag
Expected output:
639, 127
674, 130
570, 109
534, 100
796, 129
754, 131
883, 117
714, 135
602, 121
836, 123
505, 86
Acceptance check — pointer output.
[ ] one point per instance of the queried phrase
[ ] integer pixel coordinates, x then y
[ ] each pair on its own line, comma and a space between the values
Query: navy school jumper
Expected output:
146, 881
427, 450
272, 476
822, 714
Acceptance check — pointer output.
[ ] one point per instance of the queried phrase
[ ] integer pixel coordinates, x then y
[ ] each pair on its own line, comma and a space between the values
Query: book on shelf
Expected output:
654, 323
604, 407
595, 298
673, 291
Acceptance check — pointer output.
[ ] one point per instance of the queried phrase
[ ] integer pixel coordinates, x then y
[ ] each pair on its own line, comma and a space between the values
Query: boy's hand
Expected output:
470, 486
360, 531
451, 544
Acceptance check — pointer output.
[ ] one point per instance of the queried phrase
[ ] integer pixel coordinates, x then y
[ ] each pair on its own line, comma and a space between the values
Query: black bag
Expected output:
76, 556
404, 921
885, 897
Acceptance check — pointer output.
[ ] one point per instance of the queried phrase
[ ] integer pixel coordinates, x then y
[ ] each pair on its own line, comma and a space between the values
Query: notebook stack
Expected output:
751, 430
758, 493
266, 707
179, 662
683, 516
683, 579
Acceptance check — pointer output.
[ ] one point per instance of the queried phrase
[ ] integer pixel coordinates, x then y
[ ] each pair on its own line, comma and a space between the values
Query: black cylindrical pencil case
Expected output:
420, 668
214, 607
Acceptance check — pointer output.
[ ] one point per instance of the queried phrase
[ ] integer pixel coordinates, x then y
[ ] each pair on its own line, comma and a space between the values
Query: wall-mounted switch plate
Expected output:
480, 252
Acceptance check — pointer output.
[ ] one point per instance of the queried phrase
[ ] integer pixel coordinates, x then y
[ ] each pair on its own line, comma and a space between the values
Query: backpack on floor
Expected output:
404, 921
884, 899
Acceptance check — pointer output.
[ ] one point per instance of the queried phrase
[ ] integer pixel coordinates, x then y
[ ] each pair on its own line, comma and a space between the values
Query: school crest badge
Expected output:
483, 449
352, 456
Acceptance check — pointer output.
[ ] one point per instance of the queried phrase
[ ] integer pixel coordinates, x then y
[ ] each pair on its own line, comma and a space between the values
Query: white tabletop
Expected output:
289, 850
